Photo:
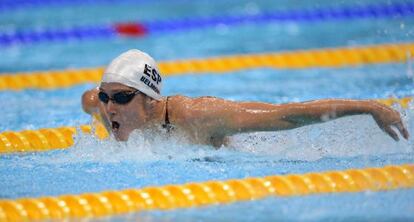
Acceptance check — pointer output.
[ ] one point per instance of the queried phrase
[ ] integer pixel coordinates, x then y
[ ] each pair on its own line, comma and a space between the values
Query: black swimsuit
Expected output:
167, 125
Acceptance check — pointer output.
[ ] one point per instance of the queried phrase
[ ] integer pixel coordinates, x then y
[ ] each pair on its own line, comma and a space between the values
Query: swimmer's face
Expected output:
123, 118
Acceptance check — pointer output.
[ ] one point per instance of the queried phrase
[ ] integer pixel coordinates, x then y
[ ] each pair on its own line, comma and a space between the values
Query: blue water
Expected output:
94, 166
252, 38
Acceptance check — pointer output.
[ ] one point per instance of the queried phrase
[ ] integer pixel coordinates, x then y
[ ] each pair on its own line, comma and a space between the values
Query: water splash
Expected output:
143, 146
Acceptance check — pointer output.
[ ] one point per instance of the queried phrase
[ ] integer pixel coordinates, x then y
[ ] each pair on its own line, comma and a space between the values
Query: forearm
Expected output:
269, 117
300, 114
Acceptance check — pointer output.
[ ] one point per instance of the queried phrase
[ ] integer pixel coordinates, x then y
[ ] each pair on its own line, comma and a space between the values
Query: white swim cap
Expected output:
135, 69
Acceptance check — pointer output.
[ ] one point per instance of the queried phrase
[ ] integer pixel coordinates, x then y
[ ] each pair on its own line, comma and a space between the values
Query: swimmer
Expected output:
129, 98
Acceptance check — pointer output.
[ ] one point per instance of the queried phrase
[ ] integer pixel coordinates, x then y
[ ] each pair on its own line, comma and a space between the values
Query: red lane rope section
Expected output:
130, 29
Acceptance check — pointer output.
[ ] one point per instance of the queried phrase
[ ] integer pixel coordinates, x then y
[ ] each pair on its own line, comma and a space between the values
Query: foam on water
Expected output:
142, 146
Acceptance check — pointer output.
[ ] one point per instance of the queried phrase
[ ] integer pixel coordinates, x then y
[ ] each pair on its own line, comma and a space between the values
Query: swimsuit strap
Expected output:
167, 120
167, 125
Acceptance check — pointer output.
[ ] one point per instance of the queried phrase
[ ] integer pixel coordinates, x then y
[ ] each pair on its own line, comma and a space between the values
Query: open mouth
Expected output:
115, 125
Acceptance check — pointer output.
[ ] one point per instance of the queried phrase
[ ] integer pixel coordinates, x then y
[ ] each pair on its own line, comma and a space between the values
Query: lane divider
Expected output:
138, 29
301, 59
377, 10
63, 137
8, 5
109, 203
47, 138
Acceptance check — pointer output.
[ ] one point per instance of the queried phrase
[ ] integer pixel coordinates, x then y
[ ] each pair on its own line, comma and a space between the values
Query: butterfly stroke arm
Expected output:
90, 101
91, 105
237, 117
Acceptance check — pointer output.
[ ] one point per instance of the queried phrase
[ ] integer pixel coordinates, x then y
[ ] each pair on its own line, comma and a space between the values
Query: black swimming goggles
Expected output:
118, 98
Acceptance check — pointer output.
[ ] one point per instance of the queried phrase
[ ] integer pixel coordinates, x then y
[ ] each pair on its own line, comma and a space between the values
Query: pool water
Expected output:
92, 165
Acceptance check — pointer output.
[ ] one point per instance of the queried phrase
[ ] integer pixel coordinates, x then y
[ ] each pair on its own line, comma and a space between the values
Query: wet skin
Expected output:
209, 120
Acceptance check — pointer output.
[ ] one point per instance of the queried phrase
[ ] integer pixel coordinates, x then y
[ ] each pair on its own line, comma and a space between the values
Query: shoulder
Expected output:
197, 103
90, 100
183, 107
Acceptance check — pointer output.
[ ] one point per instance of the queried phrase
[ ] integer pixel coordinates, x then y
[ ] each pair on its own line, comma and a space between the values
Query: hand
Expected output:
387, 117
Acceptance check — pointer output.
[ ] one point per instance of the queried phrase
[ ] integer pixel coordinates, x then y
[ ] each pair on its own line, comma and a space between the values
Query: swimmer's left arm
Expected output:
252, 116
90, 101
91, 105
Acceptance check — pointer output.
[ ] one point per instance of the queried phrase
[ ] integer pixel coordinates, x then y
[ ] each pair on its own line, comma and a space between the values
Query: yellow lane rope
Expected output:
44, 139
92, 205
62, 137
334, 57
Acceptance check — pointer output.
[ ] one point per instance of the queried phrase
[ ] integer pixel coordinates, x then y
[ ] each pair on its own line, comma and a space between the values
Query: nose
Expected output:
111, 107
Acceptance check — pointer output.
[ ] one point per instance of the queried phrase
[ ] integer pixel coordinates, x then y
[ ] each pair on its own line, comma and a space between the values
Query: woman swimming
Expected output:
129, 98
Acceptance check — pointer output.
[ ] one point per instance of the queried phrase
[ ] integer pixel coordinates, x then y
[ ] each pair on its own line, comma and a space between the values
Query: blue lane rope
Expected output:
304, 15
350, 12
48, 35
7, 5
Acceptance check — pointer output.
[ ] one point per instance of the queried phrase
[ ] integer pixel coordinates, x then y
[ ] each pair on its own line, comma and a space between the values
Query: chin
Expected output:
120, 137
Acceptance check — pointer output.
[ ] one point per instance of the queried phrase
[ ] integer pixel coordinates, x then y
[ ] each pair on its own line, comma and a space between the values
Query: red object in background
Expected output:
130, 29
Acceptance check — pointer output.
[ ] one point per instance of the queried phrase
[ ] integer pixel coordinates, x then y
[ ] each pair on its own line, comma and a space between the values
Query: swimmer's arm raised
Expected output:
90, 104
90, 101
251, 116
